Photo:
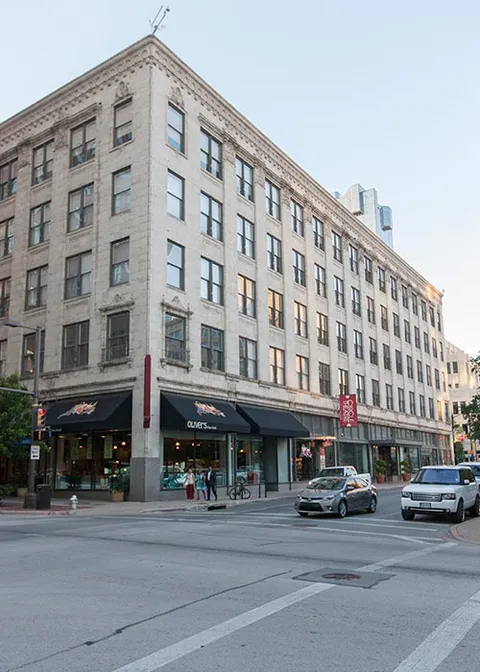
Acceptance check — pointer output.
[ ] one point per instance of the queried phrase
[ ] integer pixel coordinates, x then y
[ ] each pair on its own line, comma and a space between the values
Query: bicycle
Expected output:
239, 491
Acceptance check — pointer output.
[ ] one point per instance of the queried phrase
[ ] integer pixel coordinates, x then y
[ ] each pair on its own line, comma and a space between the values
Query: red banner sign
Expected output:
348, 410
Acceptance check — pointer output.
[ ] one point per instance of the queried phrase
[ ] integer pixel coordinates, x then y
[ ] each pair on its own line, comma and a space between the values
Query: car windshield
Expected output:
332, 471
438, 476
326, 484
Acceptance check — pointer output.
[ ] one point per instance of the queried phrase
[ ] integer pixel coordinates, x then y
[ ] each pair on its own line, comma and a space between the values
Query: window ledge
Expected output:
44, 183
217, 372
8, 199
90, 162
244, 199
6, 257
173, 362
124, 144
216, 179
77, 299
35, 310
107, 363
40, 246
80, 230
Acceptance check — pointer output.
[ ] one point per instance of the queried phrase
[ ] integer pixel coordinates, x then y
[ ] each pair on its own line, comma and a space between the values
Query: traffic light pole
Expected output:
30, 501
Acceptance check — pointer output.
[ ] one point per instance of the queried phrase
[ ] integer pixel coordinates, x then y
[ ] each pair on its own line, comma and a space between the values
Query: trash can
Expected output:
44, 496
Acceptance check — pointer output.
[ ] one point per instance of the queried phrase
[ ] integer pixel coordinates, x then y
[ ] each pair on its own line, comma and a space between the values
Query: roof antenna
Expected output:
160, 17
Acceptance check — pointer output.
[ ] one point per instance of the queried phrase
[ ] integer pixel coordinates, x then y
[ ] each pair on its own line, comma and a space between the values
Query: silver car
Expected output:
337, 495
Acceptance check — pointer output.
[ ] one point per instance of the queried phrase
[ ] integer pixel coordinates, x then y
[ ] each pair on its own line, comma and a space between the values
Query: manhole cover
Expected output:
337, 576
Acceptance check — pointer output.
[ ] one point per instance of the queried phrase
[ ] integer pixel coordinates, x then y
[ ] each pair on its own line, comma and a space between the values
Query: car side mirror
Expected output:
350, 486
466, 481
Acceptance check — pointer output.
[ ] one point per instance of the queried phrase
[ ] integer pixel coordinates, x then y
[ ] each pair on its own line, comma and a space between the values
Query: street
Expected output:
254, 587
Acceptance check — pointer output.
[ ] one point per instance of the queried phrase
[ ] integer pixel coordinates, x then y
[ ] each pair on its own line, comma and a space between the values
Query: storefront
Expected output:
91, 440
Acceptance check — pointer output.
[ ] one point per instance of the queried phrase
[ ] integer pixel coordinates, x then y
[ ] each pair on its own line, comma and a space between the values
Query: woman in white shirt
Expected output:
190, 483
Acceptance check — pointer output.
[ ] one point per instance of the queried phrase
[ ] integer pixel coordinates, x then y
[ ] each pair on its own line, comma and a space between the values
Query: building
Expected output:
363, 203
463, 384
203, 299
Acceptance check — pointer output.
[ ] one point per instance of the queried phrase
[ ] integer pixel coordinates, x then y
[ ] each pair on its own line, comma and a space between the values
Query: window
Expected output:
416, 332
118, 336
120, 262
245, 237
434, 348
454, 367
341, 337
428, 372
82, 143
80, 208
447, 412
373, 351
448, 367
298, 261
78, 275
411, 400
212, 281
394, 288
368, 269
431, 410
423, 306
213, 356
175, 195
175, 338
342, 381
300, 319
414, 304
274, 253
277, 366
439, 411
325, 383
5, 284
387, 360
455, 408
6, 237
322, 329
121, 196
318, 233
356, 307
360, 388
28, 354
441, 351
389, 396
444, 382
339, 291
384, 318
398, 362
426, 343
272, 198
8, 179
437, 379
275, 309
431, 310
42, 163
211, 217
40, 220
421, 399
36, 295
419, 371
122, 123
320, 280
210, 154
337, 247
3, 356
246, 296
175, 265
407, 333
404, 296
176, 128
353, 256
409, 367
396, 325
244, 178
75, 345
401, 400
296, 216
376, 393
303, 375
382, 285
248, 357
439, 321
370, 310
358, 343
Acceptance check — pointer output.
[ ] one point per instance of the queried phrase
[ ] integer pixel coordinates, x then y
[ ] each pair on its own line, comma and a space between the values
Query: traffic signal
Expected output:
41, 417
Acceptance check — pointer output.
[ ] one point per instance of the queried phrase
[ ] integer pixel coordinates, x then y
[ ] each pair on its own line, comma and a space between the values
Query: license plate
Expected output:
425, 505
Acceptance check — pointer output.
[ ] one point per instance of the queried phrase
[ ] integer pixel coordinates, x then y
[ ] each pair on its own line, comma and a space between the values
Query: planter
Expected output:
380, 478
118, 496
407, 477
21, 492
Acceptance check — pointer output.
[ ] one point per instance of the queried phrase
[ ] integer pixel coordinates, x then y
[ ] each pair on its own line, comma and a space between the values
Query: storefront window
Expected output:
179, 454
250, 460
356, 455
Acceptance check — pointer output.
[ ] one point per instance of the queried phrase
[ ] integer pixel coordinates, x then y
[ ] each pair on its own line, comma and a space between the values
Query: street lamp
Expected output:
30, 501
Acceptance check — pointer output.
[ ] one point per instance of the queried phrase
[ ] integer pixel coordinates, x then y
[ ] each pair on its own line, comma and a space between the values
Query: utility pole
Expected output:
30, 501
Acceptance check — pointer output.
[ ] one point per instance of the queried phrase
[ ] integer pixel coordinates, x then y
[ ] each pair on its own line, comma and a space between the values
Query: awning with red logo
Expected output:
198, 414
102, 411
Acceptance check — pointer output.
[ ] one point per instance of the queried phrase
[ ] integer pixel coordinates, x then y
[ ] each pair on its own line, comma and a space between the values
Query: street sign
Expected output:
34, 452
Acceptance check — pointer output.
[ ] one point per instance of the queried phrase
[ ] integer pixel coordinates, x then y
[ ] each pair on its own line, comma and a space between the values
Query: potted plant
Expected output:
380, 470
406, 466
119, 486
21, 489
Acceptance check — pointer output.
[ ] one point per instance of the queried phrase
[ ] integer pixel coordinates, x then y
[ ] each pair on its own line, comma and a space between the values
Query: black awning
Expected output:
103, 411
198, 414
270, 422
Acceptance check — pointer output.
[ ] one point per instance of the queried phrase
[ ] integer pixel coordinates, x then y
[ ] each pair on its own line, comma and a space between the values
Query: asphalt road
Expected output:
251, 588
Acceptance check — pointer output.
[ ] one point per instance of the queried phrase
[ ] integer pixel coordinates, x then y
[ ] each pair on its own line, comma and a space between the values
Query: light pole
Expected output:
30, 501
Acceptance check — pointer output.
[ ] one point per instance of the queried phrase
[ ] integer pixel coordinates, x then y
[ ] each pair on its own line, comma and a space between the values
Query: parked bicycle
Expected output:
239, 491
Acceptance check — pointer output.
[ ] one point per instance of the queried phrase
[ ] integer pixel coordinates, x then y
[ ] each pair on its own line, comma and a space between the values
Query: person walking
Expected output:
211, 481
190, 483
201, 487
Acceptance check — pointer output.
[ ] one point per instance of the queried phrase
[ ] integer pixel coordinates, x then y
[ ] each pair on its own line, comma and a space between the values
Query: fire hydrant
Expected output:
73, 502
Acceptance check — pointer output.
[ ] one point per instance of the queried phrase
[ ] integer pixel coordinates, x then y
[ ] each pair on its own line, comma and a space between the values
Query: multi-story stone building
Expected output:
463, 384
203, 299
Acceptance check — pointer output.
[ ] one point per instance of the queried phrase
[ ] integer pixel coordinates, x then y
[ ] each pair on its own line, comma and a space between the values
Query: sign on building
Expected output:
348, 410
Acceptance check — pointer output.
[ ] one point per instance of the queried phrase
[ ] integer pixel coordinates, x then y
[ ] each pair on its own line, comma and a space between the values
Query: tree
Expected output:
459, 452
15, 417
471, 411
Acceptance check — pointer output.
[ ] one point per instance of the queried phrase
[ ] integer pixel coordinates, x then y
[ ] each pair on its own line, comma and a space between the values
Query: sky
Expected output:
377, 92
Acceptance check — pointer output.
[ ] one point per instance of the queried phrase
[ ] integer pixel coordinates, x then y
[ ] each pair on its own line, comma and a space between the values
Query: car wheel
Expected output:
302, 513
459, 515
342, 509
474, 511
408, 515
373, 505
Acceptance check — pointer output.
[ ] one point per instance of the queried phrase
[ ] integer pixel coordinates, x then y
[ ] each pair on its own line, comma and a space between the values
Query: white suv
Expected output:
441, 489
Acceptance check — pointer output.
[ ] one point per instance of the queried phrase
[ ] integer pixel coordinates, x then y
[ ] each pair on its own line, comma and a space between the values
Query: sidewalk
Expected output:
468, 532
106, 508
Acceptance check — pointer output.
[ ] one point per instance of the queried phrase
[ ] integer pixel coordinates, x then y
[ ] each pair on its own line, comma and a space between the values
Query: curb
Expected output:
455, 534
27, 512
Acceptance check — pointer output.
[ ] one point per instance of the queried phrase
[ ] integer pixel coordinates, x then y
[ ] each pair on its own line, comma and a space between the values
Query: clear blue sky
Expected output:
378, 92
